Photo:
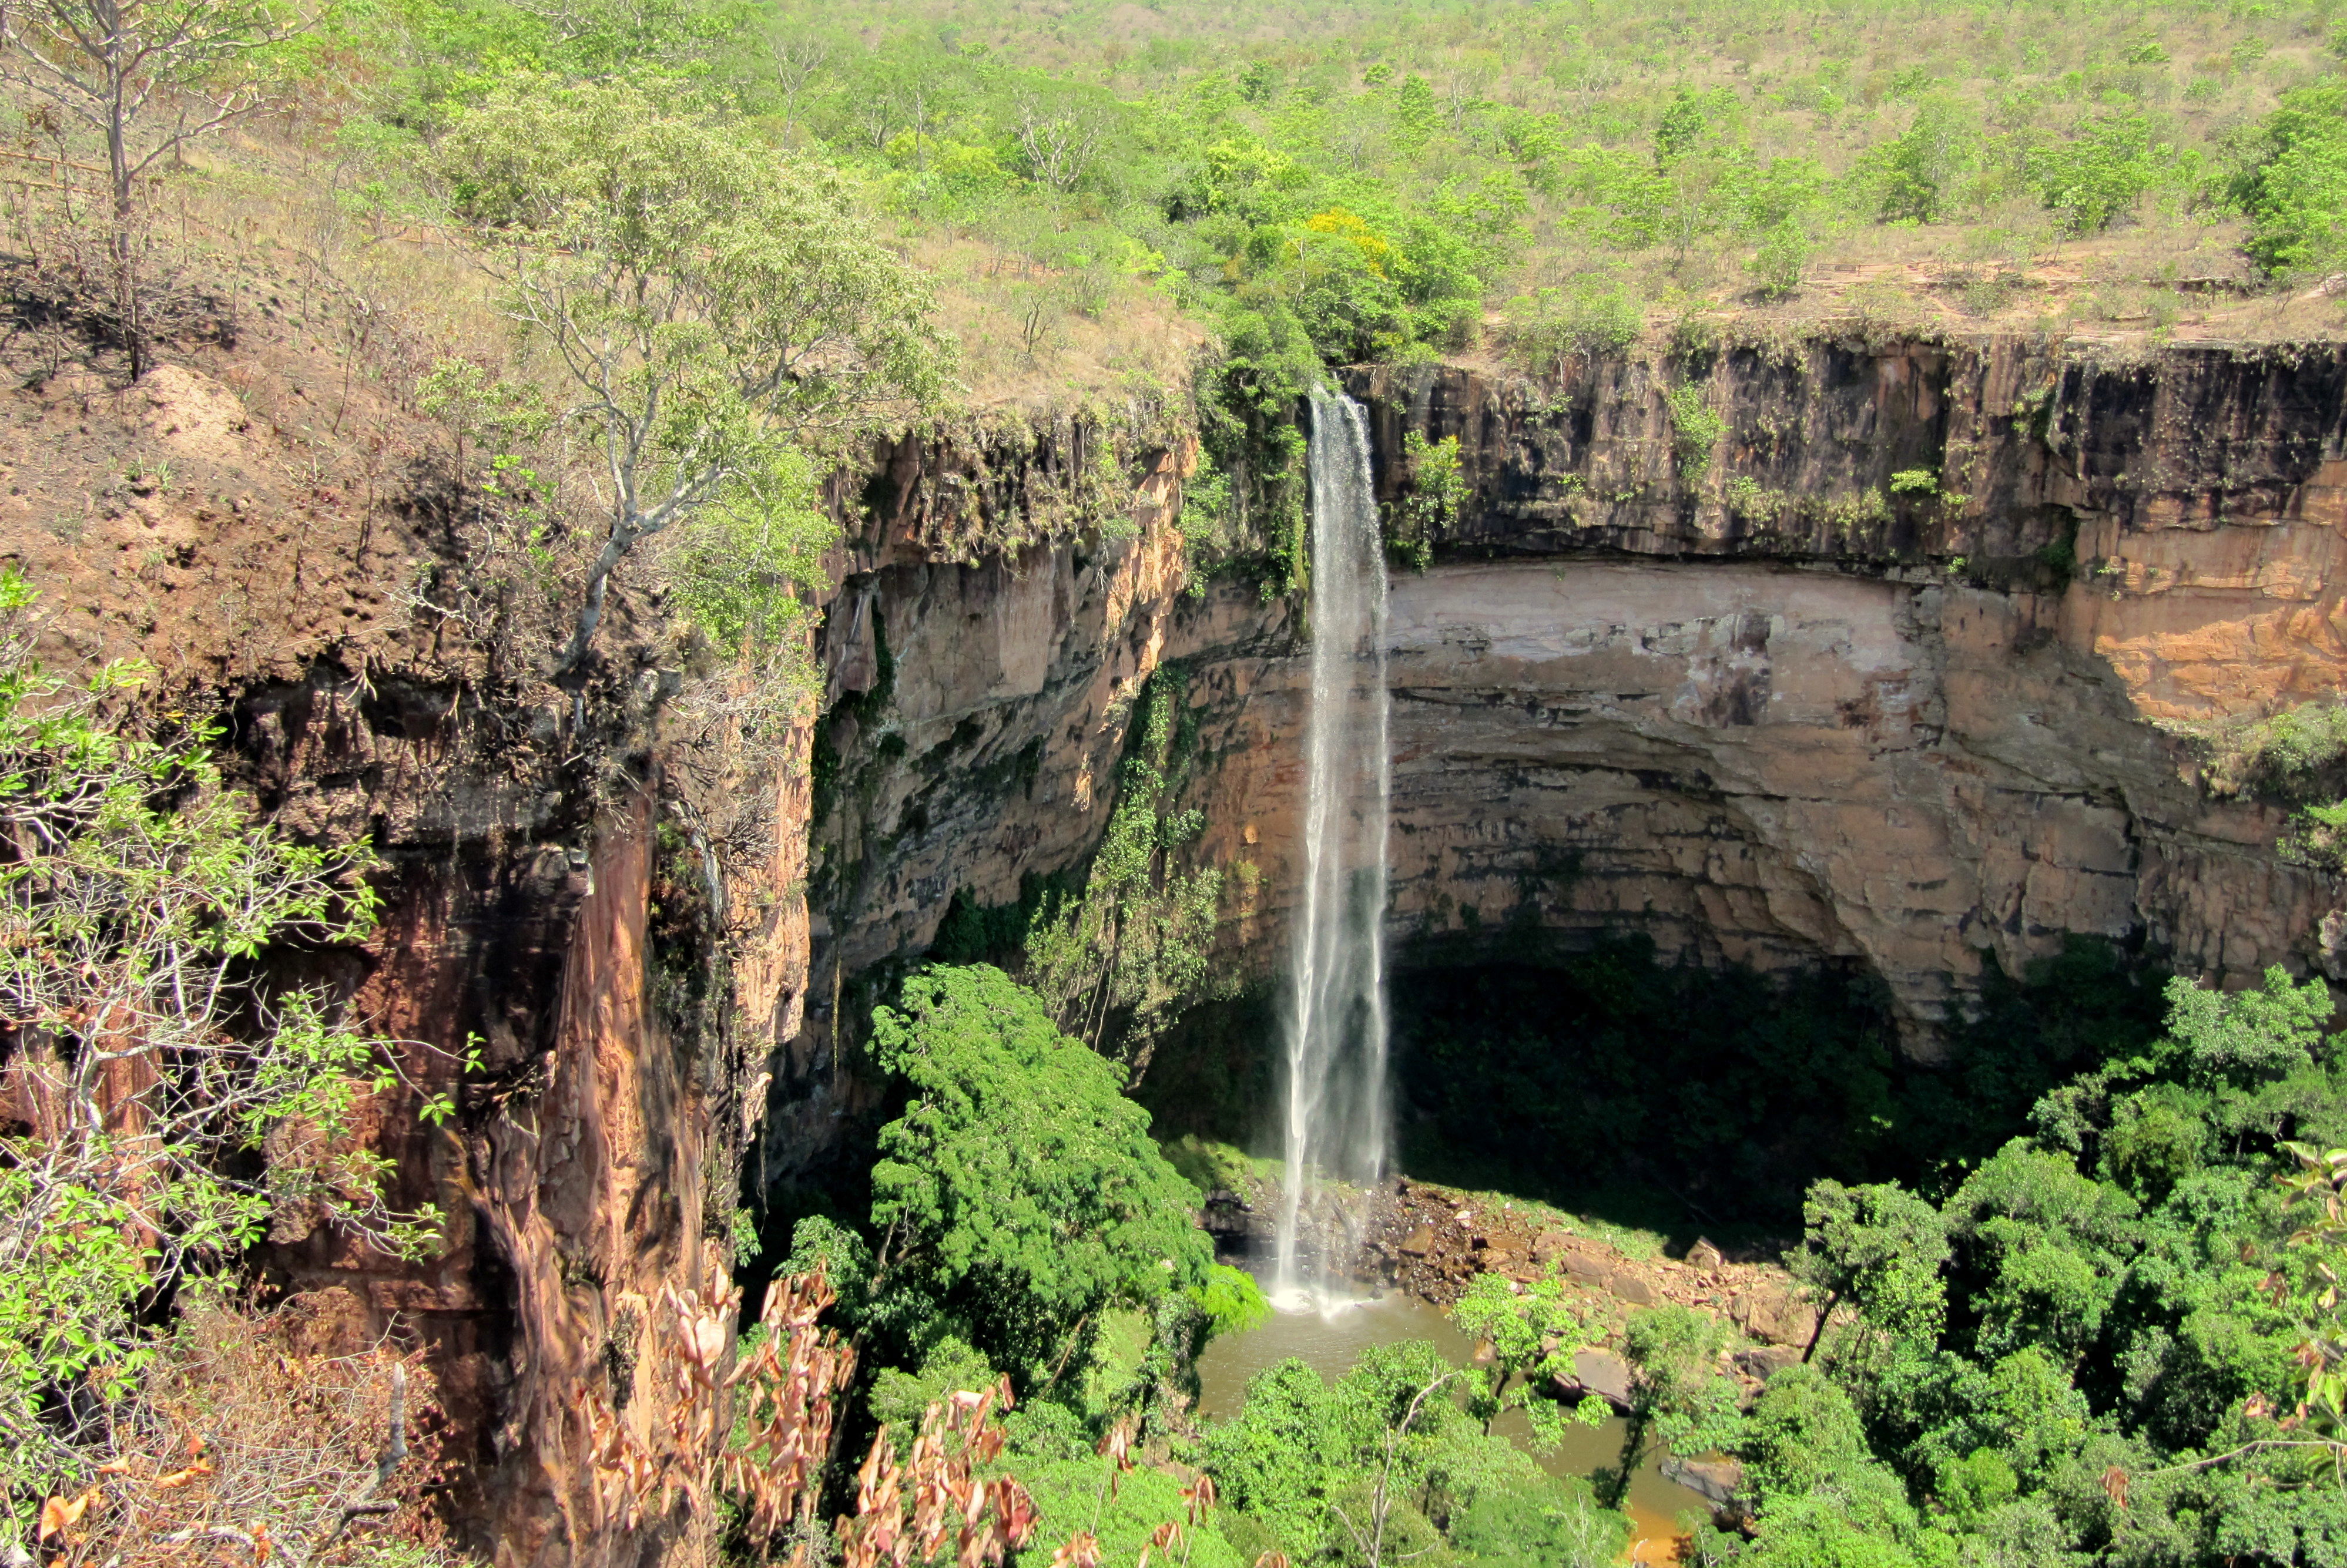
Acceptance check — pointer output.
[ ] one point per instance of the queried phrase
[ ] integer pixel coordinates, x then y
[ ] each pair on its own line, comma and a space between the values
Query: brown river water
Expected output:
1330, 1343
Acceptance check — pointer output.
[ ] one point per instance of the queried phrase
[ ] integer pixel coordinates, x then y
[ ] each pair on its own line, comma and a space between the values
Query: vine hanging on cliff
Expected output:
1117, 963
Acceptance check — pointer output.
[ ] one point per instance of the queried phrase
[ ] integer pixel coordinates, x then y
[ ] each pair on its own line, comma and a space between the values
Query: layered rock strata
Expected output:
1867, 680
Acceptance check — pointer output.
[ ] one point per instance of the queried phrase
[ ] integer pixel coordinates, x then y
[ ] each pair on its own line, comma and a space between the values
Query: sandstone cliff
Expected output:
1764, 706
1763, 701
294, 555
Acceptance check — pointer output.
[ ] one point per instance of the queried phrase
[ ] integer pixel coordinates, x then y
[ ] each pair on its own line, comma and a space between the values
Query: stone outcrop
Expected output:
1779, 765
1774, 708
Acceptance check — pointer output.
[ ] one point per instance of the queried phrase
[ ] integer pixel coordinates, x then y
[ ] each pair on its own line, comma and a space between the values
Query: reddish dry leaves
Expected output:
786, 1390
987, 1520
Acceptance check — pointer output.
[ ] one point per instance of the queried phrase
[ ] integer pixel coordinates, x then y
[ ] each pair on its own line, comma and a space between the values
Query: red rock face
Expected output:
1774, 723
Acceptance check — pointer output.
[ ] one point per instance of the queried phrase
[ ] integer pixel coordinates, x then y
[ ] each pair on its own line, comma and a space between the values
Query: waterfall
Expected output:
1334, 1088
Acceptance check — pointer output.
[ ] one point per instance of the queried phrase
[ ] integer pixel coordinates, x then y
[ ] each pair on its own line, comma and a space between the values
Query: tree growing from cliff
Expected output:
712, 309
165, 1110
1019, 1194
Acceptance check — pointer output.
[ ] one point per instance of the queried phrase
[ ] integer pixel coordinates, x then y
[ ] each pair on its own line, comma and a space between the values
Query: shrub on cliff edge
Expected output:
165, 1109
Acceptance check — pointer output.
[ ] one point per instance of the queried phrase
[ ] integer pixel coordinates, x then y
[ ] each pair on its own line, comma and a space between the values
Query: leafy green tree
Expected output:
1591, 316
1802, 1433
1230, 1301
1782, 260
713, 308
1920, 167
2233, 1071
1683, 127
1069, 1497
174, 1110
1336, 275
2236, 1037
2318, 1188
1678, 1392
898, 1397
2098, 173
1415, 115
2295, 190
1427, 510
1019, 1194
1533, 1332
1881, 1247
1276, 1458
1819, 1494
2045, 1246
1316, 1466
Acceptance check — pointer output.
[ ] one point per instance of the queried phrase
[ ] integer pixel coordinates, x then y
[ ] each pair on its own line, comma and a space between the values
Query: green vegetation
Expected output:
2298, 758
1018, 1195
1380, 178
1438, 488
1115, 963
1381, 175
1388, 1463
1532, 1332
1696, 429
694, 251
2294, 187
169, 1107
712, 311
2116, 1339
2098, 1340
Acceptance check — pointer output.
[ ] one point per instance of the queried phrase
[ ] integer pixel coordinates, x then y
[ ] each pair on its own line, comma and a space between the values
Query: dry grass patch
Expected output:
260, 1438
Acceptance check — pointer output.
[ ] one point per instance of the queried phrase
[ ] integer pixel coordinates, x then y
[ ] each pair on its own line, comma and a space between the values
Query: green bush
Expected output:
2297, 757
2111, 1315
2098, 173
1920, 168
1590, 317
1302, 1461
1540, 1527
1072, 1495
1696, 429
1782, 261
1018, 1190
2295, 189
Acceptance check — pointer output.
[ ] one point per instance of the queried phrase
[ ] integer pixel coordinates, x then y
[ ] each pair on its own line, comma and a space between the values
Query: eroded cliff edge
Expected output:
1870, 679
1809, 718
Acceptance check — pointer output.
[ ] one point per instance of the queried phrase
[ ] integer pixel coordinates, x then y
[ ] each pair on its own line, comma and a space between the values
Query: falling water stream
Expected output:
1333, 1108
1333, 1088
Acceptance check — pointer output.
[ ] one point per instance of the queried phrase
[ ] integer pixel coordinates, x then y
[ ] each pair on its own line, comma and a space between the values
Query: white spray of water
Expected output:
1333, 1091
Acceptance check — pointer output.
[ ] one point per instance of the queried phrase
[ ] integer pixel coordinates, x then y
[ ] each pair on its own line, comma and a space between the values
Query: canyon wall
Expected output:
1777, 701
322, 604
1867, 680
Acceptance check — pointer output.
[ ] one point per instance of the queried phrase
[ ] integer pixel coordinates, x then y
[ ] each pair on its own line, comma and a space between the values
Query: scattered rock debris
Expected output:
1432, 1242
